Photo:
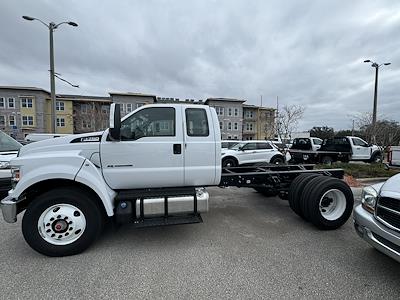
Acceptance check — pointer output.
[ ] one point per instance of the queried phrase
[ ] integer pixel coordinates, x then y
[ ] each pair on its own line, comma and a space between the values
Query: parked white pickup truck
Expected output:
148, 169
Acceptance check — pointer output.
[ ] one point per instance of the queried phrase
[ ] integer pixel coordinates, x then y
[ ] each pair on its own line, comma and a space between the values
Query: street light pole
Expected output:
52, 81
374, 111
51, 26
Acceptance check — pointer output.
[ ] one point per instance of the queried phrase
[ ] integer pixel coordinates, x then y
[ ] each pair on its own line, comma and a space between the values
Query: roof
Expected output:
84, 98
257, 107
225, 100
133, 94
24, 88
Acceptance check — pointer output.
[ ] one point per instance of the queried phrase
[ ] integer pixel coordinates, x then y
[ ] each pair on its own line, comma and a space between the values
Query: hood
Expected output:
391, 188
6, 157
86, 141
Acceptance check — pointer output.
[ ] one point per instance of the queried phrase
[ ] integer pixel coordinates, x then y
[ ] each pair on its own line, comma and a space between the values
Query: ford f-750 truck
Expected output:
150, 168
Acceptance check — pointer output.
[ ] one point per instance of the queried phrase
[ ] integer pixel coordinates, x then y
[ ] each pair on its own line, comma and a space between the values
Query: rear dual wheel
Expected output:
324, 201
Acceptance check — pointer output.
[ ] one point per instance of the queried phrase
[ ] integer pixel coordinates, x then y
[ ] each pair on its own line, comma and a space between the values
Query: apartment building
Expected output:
23, 110
88, 113
130, 101
230, 115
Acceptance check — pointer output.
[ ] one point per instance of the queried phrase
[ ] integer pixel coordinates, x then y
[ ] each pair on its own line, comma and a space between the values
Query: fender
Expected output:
44, 166
91, 176
62, 165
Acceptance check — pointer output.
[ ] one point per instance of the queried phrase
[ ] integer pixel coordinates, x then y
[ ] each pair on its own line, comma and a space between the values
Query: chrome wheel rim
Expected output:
61, 224
332, 204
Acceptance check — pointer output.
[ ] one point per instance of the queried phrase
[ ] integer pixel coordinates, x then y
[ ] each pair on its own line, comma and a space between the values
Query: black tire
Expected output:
296, 189
76, 197
376, 158
327, 160
319, 188
278, 160
229, 162
306, 192
266, 191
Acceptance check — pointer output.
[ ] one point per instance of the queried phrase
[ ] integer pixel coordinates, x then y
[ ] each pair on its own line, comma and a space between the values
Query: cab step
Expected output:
170, 220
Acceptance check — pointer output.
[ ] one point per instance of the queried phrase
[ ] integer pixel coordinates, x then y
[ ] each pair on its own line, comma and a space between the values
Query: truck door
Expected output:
200, 147
361, 149
150, 153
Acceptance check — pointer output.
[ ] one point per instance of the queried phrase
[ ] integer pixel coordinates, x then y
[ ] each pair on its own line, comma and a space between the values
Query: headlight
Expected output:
15, 176
368, 198
4, 164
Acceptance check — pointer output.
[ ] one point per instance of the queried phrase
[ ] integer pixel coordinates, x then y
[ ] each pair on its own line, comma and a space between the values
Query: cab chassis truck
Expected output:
149, 169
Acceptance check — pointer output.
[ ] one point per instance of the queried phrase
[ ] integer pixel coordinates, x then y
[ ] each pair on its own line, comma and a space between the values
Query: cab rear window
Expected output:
196, 122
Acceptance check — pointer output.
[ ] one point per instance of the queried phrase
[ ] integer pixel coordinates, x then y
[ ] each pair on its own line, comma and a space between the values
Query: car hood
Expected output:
391, 187
83, 141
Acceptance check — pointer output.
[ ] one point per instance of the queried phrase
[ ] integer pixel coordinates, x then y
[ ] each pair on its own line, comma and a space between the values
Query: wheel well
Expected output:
43, 186
230, 157
276, 156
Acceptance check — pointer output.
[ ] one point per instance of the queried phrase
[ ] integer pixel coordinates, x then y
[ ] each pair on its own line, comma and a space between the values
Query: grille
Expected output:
388, 210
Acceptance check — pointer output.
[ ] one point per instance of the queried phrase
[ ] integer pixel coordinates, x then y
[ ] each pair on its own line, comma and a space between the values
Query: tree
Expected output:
323, 132
288, 119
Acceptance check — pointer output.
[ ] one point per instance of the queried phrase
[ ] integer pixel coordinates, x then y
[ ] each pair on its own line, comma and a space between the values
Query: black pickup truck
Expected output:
338, 149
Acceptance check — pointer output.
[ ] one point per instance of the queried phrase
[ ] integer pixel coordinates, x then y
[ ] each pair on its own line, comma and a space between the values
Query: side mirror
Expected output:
115, 122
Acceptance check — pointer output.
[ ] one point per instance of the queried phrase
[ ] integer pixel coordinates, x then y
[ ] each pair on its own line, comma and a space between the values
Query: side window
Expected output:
317, 142
264, 146
358, 142
196, 122
250, 146
149, 122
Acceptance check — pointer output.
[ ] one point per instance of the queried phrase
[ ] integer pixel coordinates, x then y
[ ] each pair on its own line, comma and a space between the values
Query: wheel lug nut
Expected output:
60, 236
48, 230
58, 217
53, 235
51, 219
70, 229
76, 213
48, 224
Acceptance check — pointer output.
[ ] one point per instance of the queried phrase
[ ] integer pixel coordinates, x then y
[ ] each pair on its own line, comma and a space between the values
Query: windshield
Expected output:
7, 143
238, 146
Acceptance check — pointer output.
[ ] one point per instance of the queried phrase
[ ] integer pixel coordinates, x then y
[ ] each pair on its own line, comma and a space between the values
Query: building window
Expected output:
60, 106
229, 111
60, 122
236, 112
105, 109
249, 126
27, 120
11, 120
229, 126
249, 114
219, 110
129, 108
25, 102
235, 126
2, 121
86, 124
11, 103
221, 125
140, 104
122, 108
2, 104
84, 108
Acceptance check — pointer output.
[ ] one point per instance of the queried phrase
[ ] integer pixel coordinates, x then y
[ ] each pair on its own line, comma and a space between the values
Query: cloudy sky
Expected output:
306, 52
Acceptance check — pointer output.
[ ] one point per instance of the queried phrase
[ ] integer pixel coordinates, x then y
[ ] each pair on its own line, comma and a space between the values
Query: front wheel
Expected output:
61, 222
229, 162
277, 160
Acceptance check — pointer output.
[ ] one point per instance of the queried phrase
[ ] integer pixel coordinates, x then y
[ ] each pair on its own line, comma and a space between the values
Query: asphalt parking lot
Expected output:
248, 247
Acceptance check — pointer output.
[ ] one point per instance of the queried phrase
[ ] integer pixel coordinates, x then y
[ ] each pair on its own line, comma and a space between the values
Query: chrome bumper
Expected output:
9, 209
376, 234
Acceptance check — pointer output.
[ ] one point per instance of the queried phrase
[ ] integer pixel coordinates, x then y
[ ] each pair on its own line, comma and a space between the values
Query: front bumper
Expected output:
379, 236
9, 209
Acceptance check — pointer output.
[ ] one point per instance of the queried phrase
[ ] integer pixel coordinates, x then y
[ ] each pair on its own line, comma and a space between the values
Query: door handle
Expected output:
177, 149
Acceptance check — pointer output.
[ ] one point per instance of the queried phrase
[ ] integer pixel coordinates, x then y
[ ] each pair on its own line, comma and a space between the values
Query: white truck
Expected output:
345, 149
8, 150
150, 168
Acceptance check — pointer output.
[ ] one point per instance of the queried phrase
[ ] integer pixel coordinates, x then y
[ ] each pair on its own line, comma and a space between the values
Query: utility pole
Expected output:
374, 111
52, 81
352, 130
51, 27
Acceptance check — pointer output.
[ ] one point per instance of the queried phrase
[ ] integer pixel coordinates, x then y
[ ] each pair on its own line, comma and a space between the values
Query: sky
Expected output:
308, 53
